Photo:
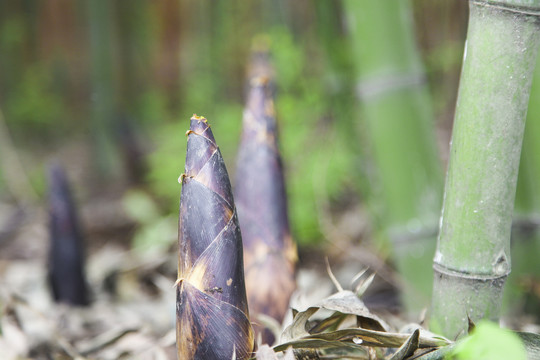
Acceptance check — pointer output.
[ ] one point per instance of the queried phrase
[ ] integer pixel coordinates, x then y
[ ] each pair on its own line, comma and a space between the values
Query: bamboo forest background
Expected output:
77, 76
165, 60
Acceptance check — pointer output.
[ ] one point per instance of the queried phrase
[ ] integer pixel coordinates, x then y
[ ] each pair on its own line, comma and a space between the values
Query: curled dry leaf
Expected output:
212, 312
408, 348
301, 335
347, 302
368, 337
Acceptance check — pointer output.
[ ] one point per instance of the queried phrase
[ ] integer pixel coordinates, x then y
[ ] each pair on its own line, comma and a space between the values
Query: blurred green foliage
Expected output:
12, 34
156, 232
319, 160
317, 156
171, 59
489, 342
33, 101
167, 160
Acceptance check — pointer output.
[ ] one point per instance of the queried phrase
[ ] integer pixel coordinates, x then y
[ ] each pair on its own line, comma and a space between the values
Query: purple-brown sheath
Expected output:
66, 254
211, 305
269, 252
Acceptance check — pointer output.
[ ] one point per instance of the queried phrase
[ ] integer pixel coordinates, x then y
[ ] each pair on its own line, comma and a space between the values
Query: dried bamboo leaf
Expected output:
297, 336
318, 344
298, 330
364, 285
435, 354
532, 344
265, 352
269, 251
329, 323
66, 254
348, 302
364, 337
212, 313
412, 327
298, 327
408, 348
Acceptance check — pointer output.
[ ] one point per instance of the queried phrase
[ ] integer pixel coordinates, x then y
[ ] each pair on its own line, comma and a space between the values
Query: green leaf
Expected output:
156, 236
490, 342
140, 206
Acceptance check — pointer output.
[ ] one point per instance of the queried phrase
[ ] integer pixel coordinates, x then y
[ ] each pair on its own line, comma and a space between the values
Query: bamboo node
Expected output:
450, 273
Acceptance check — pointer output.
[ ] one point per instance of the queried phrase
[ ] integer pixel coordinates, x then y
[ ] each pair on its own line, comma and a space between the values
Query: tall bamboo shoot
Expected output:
211, 305
269, 252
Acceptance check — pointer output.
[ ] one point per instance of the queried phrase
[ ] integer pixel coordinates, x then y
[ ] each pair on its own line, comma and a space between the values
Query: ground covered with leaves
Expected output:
354, 314
132, 310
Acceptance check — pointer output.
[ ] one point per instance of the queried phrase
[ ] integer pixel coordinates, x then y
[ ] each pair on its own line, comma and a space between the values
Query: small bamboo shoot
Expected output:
66, 254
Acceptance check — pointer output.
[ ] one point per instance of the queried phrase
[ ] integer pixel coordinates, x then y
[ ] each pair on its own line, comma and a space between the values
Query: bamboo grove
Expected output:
460, 243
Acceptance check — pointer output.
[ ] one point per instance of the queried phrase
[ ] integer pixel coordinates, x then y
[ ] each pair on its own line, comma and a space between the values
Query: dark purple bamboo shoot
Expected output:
269, 252
212, 311
66, 254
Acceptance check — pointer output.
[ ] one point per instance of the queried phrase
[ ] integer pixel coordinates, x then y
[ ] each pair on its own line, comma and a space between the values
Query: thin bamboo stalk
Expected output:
396, 109
11, 168
473, 252
103, 91
339, 85
131, 20
525, 231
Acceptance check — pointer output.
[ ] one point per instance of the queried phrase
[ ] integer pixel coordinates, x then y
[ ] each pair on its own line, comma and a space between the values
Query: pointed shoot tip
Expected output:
261, 80
198, 118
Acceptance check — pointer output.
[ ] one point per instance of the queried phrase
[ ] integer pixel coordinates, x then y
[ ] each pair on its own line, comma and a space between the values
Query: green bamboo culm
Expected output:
398, 121
103, 87
528, 194
473, 251
525, 233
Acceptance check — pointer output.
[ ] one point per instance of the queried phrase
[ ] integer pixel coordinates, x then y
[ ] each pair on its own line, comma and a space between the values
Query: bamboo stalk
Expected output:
11, 168
269, 251
473, 252
103, 86
212, 310
339, 85
396, 109
525, 231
